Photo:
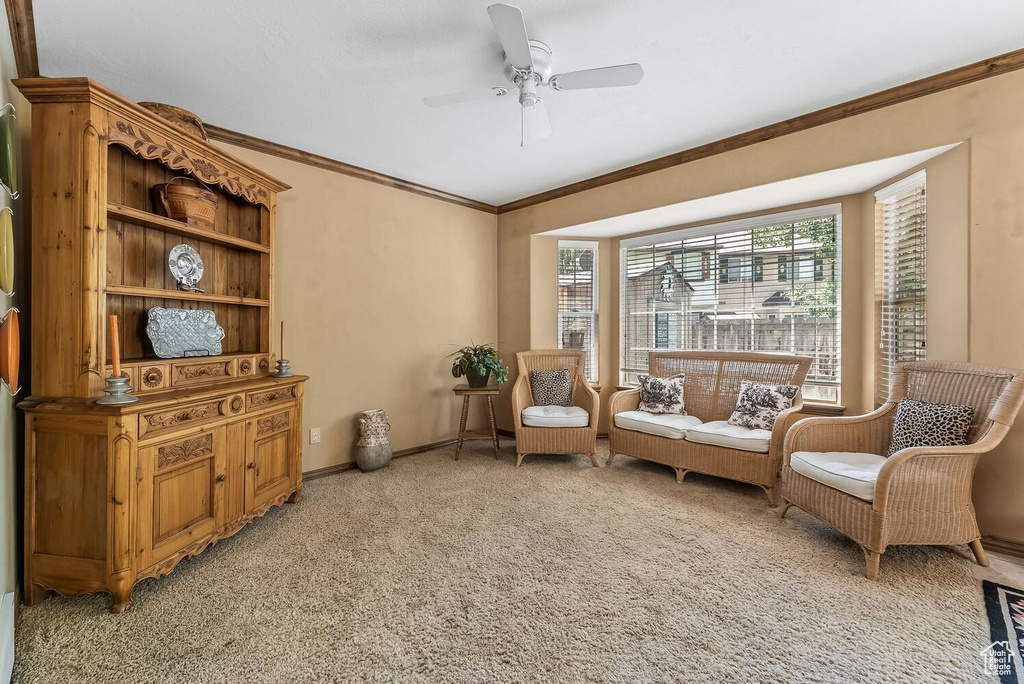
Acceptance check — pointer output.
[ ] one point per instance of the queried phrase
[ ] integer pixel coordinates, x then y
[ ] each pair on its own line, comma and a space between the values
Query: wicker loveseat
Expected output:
919, 495
710, 391
555, 439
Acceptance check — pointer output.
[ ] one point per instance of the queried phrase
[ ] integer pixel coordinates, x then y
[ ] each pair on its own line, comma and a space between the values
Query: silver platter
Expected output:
186, 266
176, 333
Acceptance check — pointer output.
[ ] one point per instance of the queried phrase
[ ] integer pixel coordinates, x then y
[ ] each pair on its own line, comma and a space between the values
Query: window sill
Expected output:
811, 408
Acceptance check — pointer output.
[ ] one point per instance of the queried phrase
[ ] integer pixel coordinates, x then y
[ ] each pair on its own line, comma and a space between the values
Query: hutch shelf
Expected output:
116, 494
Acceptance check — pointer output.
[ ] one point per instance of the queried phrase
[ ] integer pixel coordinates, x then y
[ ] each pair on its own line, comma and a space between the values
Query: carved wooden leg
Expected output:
611, 457
36, 594
519, 459
979, 553
872, 559
770, 493
781, 510
593, 459
494, 428
121, 592
296, 496
681, 474
462, 424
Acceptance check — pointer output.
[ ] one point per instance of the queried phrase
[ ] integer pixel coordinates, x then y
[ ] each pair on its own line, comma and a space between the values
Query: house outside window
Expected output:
776, 289
577, 301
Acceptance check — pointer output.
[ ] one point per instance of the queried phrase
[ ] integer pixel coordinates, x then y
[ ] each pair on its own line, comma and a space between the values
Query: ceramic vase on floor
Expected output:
373, 450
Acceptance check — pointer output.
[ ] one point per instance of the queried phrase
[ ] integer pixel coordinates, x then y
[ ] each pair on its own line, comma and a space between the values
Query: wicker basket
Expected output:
195, 205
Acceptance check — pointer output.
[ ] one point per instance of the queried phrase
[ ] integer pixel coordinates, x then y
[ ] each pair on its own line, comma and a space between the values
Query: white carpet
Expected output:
476, 571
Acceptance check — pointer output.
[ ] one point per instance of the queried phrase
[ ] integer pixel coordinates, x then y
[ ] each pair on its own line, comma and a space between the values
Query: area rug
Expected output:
473, 570
1005, 608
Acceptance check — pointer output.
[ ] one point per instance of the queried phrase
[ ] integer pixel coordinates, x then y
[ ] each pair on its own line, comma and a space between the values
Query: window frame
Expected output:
756, 272
594, 370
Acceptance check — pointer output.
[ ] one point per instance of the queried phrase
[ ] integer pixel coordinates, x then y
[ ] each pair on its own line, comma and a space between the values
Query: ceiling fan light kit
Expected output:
528, 66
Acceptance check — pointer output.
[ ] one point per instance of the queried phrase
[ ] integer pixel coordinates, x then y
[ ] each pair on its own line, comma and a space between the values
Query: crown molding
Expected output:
293, 154
1011, 61
23, 36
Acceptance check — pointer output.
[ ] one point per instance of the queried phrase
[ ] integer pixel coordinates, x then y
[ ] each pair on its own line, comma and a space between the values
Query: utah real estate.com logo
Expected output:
997, 659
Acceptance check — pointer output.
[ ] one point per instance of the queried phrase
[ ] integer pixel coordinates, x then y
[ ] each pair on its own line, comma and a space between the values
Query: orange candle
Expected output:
115, 346
282, 339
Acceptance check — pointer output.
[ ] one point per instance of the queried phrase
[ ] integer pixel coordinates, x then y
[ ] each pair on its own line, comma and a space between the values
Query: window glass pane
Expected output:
577, 301
773, 287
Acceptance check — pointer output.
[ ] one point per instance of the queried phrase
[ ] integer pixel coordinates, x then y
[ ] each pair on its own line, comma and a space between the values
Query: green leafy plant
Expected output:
479, 359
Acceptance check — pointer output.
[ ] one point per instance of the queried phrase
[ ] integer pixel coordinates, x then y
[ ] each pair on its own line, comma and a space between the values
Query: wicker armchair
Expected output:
711, 389
922, 495
554, 440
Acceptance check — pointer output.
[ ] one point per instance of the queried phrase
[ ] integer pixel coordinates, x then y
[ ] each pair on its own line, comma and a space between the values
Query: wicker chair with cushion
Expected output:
702, 441
555, 429
836, 468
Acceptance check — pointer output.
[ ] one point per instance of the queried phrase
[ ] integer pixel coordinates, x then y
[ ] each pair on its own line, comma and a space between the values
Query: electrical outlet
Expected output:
314, 435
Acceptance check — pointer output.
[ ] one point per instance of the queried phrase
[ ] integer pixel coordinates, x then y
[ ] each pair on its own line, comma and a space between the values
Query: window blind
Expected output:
766, 284
577, 300
901, 282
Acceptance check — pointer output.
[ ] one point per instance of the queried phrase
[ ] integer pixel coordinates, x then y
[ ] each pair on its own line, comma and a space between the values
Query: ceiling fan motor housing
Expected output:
541, 54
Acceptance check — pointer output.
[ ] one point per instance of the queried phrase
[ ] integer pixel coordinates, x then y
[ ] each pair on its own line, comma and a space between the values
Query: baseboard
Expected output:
7, 637
341, 467
1004, 546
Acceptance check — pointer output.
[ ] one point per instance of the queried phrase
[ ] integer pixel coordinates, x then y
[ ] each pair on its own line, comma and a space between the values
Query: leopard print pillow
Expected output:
923, 423
759, 404
662, 395
551, 387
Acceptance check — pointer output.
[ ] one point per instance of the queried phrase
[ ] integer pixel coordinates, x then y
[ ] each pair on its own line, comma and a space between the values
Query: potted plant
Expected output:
477, 362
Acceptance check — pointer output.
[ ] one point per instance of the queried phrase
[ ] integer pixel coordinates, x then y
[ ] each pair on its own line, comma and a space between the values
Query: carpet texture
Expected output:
439, 570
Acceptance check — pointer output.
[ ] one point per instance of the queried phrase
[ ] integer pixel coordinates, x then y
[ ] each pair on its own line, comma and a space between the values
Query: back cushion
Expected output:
923, 423
551, 387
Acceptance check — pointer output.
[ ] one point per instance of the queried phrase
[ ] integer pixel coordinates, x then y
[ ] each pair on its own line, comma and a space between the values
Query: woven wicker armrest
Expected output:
624, 400
781, 428
911, 477
584, 396
521, 399
869, 433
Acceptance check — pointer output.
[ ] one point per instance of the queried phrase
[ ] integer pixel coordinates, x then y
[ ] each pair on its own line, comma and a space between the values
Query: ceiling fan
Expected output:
528, 67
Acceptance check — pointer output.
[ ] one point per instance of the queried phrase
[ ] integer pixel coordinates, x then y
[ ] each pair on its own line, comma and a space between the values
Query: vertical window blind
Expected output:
900, 278
765, 284
577, 300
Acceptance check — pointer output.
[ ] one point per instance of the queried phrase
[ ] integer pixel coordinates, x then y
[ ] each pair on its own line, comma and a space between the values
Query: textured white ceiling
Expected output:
346, 79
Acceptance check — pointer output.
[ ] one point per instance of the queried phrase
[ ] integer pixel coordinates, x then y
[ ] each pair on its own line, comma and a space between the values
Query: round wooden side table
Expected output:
465, 391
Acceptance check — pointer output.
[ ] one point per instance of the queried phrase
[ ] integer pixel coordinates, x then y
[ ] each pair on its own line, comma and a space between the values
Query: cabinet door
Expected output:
270, 468
181, 494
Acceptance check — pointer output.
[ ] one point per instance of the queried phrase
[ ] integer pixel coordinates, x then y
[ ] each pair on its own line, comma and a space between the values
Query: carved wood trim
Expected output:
152, 377
272, 423
167, 565
152, 145
163, 420
271, 396
200, 371
185, 450
245, 367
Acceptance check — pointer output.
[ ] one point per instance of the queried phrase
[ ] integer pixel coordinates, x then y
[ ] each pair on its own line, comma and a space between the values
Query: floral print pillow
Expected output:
662, 395
759, 404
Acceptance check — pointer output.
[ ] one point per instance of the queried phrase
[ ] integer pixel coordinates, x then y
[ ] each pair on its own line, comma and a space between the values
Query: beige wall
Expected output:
374, 285
985, 114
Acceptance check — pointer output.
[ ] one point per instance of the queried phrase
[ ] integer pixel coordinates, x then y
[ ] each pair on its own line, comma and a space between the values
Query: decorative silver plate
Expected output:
184, 332
186, 266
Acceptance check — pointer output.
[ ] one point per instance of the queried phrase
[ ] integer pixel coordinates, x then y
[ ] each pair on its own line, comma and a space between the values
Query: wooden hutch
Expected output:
116, 494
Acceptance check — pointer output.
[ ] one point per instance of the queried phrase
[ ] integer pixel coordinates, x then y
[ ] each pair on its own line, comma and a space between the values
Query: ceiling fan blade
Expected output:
537, 121
465, 96
604, 77
511, 29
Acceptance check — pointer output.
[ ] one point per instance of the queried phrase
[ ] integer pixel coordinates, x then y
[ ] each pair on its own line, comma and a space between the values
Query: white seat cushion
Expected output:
555, 416
720, 433
671, 425
848, 471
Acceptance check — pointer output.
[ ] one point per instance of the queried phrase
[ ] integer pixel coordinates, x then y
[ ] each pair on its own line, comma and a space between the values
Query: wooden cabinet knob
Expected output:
251, 465
221, 477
